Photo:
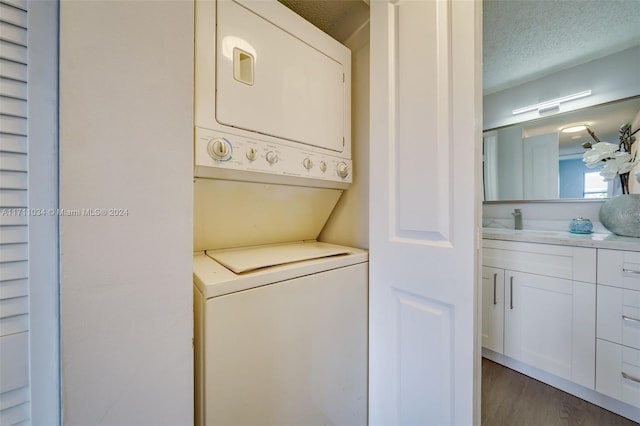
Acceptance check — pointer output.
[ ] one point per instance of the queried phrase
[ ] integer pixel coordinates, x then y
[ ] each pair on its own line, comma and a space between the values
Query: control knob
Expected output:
219, 149
307, 163
342, 169
252, 153
271, 157
323, 166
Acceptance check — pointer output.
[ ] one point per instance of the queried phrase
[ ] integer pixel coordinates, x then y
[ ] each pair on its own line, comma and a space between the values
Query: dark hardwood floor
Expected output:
513, 399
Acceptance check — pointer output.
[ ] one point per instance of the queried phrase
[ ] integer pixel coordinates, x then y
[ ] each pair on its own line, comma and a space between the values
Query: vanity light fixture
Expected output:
552, 103
574, 128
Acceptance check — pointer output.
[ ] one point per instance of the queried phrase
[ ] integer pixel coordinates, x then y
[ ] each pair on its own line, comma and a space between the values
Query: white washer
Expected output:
285, 344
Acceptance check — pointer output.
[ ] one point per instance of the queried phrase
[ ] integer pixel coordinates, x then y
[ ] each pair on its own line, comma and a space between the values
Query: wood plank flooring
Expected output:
510, 398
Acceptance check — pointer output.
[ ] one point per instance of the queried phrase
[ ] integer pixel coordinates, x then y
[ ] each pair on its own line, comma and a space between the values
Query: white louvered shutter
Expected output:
14, 220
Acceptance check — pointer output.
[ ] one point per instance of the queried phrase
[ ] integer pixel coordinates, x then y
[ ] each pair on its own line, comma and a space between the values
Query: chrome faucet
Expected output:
517, 219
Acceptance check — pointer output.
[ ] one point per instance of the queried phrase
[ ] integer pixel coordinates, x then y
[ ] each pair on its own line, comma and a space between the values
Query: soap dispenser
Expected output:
517, 219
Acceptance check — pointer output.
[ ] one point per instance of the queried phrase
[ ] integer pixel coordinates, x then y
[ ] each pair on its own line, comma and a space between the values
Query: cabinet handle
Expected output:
630, 272
495, 277
630, 377
511, 292
626, 318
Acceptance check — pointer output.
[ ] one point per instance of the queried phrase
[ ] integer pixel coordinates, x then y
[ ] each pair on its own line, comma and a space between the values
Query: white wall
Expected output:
610, 78
543, 216
126, 101
349, 222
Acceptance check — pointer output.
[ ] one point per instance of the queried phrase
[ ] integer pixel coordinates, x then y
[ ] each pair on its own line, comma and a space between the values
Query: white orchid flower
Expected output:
619, 163
626, 167
609, 171
598, 152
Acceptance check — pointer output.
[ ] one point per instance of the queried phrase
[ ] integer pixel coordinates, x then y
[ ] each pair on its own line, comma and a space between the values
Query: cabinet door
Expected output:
493, 309
550, 324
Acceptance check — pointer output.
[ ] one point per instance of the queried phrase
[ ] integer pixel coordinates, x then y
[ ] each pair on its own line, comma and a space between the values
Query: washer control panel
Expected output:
230, 152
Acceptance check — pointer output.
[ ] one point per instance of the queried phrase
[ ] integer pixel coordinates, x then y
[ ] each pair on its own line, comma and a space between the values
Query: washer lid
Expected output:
249, 259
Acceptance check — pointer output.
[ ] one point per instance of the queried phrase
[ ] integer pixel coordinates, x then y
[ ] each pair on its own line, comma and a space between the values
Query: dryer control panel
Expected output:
222, 155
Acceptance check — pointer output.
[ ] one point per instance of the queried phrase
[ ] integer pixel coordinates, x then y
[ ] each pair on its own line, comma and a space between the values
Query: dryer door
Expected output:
269, 81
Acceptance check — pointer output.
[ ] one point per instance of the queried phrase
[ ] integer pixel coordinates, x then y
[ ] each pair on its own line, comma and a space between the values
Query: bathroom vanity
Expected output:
565, 309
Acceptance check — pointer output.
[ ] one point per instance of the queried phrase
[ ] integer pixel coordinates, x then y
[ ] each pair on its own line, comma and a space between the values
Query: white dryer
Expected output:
281, 344
272, 96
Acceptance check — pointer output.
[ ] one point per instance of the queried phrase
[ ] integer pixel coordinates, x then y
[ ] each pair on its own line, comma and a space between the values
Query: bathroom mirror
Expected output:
536, 160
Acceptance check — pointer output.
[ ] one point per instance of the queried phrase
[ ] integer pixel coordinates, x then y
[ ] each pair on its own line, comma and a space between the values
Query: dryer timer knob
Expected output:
219, 149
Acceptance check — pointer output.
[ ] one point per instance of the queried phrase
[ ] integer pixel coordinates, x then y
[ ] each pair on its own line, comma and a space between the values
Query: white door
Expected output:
490, 166
424, 211
541, 167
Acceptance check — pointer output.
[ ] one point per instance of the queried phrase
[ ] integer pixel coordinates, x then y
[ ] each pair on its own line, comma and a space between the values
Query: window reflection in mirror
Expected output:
535, 160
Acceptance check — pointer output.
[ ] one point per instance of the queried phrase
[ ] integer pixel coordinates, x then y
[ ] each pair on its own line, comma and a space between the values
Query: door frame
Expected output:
44, 254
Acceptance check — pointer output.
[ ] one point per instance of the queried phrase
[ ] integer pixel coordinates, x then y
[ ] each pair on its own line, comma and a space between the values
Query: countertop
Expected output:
595, 240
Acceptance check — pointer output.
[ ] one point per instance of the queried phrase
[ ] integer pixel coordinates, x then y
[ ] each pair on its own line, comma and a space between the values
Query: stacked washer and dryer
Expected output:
280, 318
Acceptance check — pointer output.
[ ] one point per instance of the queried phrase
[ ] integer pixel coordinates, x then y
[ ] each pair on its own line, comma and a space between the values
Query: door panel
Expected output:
541, 167
425, 388
425, 162
422, 158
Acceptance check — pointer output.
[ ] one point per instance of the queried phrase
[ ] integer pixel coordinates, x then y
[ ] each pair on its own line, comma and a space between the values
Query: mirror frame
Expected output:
559, 200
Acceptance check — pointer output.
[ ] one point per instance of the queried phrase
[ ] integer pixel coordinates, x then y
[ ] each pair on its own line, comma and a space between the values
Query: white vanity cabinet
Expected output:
549, 306
618, 325
566, 312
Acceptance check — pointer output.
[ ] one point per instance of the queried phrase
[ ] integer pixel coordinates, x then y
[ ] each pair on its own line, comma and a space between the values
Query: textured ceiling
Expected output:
338, 18
525, 39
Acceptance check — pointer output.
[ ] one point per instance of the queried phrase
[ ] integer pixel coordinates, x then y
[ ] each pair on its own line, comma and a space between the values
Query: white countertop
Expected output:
596, 240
